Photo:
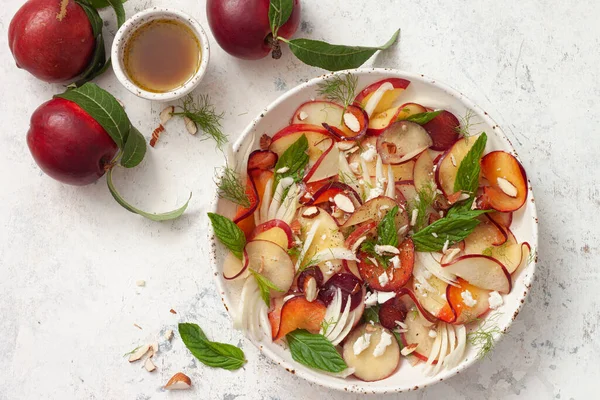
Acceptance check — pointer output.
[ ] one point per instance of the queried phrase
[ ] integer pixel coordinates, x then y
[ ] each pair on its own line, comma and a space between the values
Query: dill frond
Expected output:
422, 203
532, 255
339, 88
203, 114
131, 352
230, 186
326, 324
466, 123
308, 263
483, 337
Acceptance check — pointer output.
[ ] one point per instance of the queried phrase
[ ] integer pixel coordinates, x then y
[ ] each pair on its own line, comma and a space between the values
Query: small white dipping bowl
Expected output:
134, 23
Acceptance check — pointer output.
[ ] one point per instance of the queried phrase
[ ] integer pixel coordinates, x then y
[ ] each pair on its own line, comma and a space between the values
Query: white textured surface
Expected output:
70, 256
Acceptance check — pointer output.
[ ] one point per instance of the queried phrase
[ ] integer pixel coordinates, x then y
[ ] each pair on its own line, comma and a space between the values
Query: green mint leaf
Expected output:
467, 176
387, 233
134, 150
228, 233
295, 158
213, 354
265, 286
314, 351
333, 57
453, 228
104, 108
154, 217
423, 118
371, 314
279, 13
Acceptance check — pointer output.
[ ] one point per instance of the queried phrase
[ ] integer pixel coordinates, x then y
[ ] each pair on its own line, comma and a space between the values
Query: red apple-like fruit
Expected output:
242, 29
68, 144
52, 39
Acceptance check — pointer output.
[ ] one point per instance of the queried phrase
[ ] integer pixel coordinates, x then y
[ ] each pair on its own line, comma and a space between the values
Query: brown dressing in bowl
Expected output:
162, 55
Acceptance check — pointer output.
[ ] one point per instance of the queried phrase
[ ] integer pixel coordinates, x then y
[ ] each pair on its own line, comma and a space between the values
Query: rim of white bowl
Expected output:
132, 24
322, 378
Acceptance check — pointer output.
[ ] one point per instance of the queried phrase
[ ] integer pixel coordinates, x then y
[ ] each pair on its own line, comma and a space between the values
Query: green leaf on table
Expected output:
279, 12
315, 351
134, 150
98, 63
423, 118
295, 159
154, 217
213, 354
265, 286
228, 233
104, 108
333, 57
467, 176
92, 13
117, 5
101, 3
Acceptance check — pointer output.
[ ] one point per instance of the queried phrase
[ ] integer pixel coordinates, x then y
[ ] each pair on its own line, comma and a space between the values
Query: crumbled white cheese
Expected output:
383, 249
453, 159
283, 170
323, 236
415, 215
382, 297
441, 214
432, 333
495, 300
329, 266
307, 195
302, 116
468, 298
357, 244
351, 122
362, 343
371, 299
375, 192
401, 324
508, 188
463, 196
383, 279
369, 154
354, 167
384, 207
384, 341
395, 261
403, 229
435, 235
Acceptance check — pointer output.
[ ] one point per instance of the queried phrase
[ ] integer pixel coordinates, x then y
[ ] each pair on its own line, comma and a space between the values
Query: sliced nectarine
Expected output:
485, 235
390, 277
477, 298
299, 313
482, 271
275, 231
444, 130
387, 99
447, 167
402, 141
380, 121
508, 182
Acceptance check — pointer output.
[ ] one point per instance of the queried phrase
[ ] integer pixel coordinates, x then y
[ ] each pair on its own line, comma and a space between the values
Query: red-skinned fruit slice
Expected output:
401, 142
233, 267
272, 262
297, 129
396, 277
511, 254
381, 121
388, 98
464, 312
444, 130
355, 122
408, 190
275, 231
326, 165
351, 266
482, 271
432, 300
508, 182
391, 312
418, 333
262, 159
255, 189
374, 210
349, 285
299, 313
501, 218
363, 230
275, 315
485, 235
402, 171
423, 175
328, 190
447, 167
367, 366
322, 112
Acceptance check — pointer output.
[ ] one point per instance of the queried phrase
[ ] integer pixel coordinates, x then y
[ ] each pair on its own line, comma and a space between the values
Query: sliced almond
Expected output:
154, 347
139, 353
351, 122
310, 289
370, 328
311, 212
190, 126
149, 365
508, 188
166, 114
169, 334
409, 349
140, 283
179, 381
344, 203
302, 116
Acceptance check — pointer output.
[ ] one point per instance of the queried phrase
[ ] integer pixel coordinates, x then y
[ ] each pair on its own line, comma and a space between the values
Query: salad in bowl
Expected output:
373, 237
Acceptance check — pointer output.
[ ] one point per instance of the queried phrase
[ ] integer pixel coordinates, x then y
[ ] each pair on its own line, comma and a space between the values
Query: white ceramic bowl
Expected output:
428, 92
139, 19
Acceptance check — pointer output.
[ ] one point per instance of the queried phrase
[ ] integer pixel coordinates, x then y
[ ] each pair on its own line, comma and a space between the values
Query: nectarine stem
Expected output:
274, 43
